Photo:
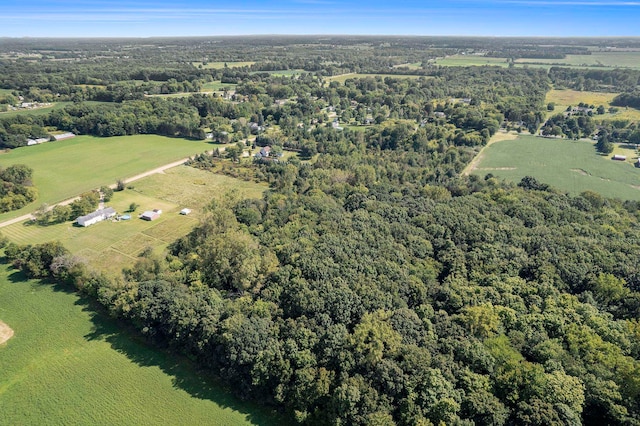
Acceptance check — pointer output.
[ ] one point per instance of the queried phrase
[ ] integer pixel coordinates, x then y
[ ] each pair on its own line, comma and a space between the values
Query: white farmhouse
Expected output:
95, 217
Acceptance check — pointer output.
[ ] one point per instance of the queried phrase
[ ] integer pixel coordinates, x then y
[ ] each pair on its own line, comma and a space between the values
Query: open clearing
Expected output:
67, 168
6, 332
596, 59
498, 137
564, 98
213, 86
572, 166
68, 364
471, 60
114, 245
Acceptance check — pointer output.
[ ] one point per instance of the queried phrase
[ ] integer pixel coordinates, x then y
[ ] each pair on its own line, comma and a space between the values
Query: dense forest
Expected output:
374, 284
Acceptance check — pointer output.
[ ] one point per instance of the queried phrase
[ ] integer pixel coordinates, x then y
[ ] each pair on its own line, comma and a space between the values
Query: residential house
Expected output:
95, 217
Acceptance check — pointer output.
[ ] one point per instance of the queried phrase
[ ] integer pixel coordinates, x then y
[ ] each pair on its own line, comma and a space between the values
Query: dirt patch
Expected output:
5, 332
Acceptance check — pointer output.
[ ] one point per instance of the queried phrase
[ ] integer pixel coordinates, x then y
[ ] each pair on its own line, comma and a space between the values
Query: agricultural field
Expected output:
564, 98
282, 73
112, 245
221, 65
67, 168
471, 60
568, 165
69, 364
411, 66
596, 59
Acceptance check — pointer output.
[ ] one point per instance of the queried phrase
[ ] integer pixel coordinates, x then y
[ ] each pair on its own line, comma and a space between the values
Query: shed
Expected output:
619, 157
185, 211
150, 215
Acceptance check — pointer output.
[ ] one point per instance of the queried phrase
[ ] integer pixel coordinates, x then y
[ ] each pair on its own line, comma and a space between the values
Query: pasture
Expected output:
568, 165
221, 64
69, 364
112, 245
471, 60
67, 168
564, 98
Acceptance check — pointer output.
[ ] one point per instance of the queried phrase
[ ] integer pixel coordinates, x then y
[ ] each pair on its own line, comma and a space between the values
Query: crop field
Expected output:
113, 245
67, 168
596, 59
220, 65
471, 60
563, 98
572, 166
68, 364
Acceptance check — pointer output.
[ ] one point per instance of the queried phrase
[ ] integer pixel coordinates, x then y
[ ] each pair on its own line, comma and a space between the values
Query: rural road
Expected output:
71, 200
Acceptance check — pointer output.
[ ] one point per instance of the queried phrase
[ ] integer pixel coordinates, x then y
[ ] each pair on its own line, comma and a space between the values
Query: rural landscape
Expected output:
330, 230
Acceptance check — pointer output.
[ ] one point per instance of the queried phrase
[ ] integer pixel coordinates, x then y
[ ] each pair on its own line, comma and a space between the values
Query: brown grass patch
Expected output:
6, 332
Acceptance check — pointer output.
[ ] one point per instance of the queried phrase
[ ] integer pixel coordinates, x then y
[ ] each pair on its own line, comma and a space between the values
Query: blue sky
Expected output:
146, 18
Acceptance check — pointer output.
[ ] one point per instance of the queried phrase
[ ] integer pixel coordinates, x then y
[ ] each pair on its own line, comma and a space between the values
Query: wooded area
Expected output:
373, 283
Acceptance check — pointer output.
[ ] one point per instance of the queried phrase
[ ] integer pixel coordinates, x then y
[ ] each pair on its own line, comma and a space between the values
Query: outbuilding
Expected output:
185, 211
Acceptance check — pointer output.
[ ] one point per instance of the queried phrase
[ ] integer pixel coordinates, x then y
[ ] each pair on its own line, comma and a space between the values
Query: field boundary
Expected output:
473, 164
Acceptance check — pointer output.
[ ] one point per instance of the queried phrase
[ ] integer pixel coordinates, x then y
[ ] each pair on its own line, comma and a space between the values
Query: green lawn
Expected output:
67, 168
572, 166
68, 365
471, 60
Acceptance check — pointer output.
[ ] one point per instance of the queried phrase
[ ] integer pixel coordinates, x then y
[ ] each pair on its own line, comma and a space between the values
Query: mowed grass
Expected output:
67, 168
36, 111
564, 98
572, 166
68, 365
112, 245
221, 65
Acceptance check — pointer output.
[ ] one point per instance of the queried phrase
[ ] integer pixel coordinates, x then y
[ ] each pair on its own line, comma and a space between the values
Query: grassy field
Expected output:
67, 364
563, 98
411, 66
113, 245
471, 60
220, 65
282, 73
37, 111
596, 59
67, 168
572, 166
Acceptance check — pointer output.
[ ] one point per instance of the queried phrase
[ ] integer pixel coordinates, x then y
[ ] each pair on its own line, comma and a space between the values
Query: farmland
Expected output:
564, 98
572, 166
64, 169
471, 60
68, 364
596, 59
113, 245
216, 85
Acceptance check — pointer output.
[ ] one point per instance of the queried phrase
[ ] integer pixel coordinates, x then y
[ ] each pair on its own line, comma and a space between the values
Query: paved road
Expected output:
71, 200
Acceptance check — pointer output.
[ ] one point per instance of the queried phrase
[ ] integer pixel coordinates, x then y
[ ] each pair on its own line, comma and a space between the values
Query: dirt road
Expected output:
71, 200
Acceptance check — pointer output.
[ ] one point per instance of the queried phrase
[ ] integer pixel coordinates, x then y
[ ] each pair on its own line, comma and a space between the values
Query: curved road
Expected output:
71, 200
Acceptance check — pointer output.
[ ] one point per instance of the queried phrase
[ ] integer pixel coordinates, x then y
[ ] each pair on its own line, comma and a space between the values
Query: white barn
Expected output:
95, 217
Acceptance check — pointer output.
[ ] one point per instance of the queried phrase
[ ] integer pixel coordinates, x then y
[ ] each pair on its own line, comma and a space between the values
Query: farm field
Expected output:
44, 110
67, 168
572, 166
596, 59
563, 98
68, 364
220, 65
471, 60
113, 245
282, 73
